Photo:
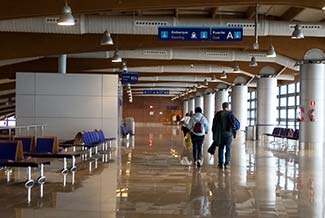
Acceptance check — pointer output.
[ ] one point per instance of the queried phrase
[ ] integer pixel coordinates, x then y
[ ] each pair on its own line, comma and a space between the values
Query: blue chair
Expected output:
27, 141
46, 144
11, 151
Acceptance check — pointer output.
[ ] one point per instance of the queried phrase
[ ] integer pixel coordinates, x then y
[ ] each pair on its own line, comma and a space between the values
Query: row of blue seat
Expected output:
284, 133
43, 144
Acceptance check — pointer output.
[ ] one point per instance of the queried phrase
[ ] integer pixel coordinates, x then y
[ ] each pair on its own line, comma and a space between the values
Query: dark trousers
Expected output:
226, 139
185, 130
197, 142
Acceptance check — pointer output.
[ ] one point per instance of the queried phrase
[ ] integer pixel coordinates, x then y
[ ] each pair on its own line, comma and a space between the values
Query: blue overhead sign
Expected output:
226, 34
184, 33
129, 77
156, 92
200, 33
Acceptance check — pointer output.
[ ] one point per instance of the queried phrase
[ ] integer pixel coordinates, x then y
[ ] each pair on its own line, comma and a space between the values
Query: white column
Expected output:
199, 101
239, 104
191, 105
312, 97
221, 97
185, 107
62, 66
266, 105
209, 107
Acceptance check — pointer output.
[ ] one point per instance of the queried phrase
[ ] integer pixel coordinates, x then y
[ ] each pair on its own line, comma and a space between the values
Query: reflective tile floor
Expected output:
146, 179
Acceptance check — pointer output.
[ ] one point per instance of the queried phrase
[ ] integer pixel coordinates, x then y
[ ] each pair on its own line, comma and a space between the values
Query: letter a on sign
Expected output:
230, 36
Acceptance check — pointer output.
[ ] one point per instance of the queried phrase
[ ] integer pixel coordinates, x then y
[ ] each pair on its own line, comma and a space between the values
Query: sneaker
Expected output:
226, 166
198, 163
220, 166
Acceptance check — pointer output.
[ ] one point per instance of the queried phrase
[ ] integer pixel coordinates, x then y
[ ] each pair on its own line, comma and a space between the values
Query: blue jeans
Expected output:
197, 142
226, 139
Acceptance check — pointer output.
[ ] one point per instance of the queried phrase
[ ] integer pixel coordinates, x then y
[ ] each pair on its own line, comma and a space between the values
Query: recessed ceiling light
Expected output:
323, 8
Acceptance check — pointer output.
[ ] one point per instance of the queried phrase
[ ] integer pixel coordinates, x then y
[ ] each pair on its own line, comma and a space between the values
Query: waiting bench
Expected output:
89, 140
284, 133
11, 155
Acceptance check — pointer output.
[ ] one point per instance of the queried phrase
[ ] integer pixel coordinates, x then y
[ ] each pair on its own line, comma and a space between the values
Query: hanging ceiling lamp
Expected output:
66, 18
236, 69
224, 75
116, 57
253, 62
124, 67
106, 39
297, 33
271, 52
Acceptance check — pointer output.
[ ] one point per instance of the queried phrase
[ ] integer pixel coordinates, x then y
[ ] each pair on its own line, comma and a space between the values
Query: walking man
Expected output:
222, 134
198, 126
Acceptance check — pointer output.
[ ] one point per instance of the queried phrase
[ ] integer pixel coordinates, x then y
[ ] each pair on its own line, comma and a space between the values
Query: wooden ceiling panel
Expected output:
18, 9
291, 13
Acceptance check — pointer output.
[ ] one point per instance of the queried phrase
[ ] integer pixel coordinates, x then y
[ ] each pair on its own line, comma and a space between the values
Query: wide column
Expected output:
191, 105
185, 106
221, 96
239, 104
312, 106
209, 107
199, 101
266, 105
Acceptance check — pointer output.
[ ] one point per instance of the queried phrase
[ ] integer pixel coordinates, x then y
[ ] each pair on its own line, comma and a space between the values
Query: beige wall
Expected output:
140, 109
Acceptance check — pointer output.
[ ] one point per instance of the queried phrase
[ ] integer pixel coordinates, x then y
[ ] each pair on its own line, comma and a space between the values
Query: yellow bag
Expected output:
188, 141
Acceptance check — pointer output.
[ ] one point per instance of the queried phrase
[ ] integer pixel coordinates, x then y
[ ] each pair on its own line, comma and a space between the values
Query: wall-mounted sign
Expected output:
172, 107
200, 33
156, 92
129, 77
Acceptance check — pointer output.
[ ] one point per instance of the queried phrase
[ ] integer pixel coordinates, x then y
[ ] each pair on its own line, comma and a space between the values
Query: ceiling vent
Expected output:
306, 26
155, 52
261, 55
243, 25
217, 54
54, 20
149, 23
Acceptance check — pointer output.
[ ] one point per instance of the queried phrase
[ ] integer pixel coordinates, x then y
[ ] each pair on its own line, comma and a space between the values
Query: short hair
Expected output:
225, 105
198, 110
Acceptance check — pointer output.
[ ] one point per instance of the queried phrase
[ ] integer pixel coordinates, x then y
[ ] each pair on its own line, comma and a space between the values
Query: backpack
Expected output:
235, 124
198, 127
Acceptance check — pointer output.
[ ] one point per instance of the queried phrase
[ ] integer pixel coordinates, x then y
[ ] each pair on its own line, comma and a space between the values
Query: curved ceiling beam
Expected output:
149, 25
22, 45
18, 9
195, 54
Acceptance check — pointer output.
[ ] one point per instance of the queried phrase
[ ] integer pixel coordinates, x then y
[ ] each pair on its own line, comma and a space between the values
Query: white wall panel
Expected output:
109, 85
67, 128
68, 84
110, 107
25, 105
25, 83
110, 127
68, 106
24, 121
68, 103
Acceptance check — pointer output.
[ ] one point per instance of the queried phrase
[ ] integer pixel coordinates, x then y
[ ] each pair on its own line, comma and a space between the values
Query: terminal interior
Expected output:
92, 93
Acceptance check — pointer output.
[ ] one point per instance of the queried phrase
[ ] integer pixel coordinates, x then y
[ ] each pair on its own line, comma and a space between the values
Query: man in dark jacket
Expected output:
222, 134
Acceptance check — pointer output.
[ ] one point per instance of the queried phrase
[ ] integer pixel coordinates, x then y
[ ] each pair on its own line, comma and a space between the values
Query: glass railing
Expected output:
36, 130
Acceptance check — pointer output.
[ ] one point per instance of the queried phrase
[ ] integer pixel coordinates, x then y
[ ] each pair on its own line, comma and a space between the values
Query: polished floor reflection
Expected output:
266, 179
146, 178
